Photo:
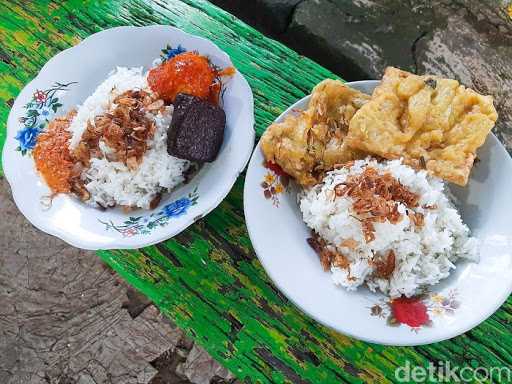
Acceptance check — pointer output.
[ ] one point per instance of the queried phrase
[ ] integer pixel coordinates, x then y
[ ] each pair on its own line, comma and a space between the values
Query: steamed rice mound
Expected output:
114, 182
422, 254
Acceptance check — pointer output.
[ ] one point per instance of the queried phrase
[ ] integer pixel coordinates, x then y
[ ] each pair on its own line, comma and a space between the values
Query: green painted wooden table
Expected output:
208, 279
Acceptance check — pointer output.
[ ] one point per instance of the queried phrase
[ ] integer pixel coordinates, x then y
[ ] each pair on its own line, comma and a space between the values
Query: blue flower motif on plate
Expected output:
169, 52
27, 138
144, 225
177, 208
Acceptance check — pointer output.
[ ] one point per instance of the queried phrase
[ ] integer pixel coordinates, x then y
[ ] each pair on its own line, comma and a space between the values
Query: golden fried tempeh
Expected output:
311, 142
431, 122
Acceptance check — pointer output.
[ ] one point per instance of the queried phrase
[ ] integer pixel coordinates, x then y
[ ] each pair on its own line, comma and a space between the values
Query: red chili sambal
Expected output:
188, 73
52, 157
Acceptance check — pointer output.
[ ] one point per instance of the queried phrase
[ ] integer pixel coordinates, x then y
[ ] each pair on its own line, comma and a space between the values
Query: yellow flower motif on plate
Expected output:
269, 178
275, 182
437, 311
437, 298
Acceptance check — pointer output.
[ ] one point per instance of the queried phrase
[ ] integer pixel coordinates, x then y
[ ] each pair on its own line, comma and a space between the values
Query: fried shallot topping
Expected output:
349, 243
375, 197
385, 267
327, 256
125, 129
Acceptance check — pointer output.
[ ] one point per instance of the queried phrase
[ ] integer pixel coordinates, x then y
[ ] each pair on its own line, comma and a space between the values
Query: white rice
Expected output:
424, 256
111, 182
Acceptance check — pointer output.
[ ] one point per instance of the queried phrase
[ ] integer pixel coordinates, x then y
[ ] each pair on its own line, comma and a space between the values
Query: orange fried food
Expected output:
188, 73
52, 157
433, 123
312, 142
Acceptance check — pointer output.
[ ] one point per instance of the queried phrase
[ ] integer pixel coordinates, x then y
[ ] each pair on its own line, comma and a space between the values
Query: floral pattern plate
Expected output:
471, 293
66, 81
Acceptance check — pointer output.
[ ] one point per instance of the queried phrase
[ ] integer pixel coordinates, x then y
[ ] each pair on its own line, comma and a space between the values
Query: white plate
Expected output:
86, 66
471, 293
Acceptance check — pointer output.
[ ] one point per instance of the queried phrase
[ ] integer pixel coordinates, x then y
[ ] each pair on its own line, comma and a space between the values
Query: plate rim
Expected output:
422, 340
173, 230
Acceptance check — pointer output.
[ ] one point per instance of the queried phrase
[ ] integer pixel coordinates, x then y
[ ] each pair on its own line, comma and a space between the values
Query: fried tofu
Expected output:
308, 143
431, 122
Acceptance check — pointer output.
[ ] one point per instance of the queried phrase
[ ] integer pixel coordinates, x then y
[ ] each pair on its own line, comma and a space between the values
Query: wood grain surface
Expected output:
208, 279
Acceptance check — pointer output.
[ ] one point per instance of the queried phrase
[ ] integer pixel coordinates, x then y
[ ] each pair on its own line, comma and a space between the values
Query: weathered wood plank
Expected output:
61, 313
207, 279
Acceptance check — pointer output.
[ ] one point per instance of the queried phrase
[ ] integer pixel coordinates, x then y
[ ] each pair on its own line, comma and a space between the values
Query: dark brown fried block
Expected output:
197, 129
181, 104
